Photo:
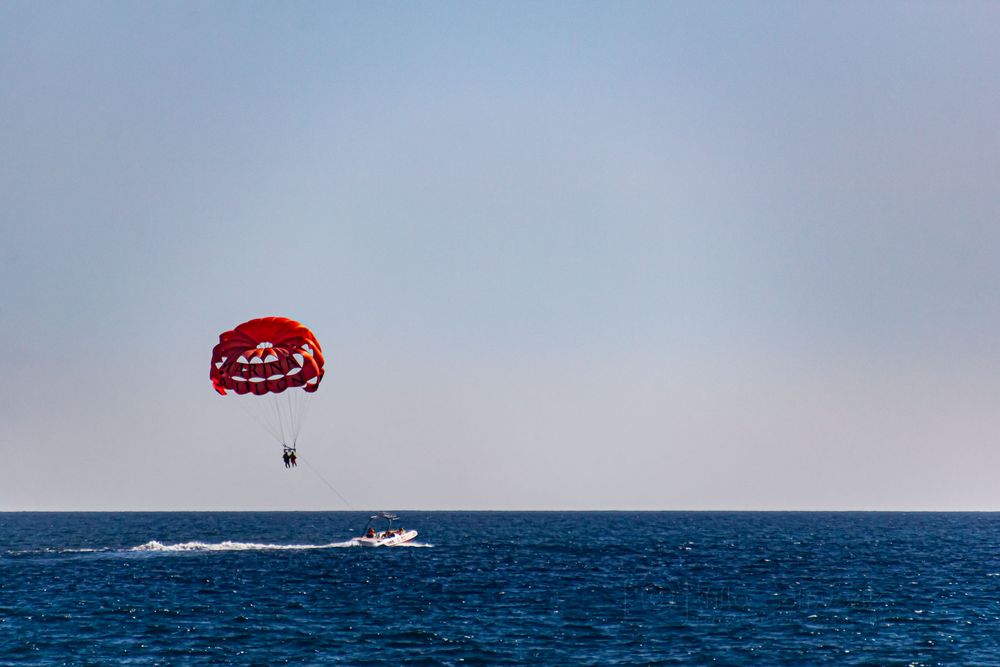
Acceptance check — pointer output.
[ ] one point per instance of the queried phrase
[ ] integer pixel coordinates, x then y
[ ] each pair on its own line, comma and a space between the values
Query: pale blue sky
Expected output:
559, 255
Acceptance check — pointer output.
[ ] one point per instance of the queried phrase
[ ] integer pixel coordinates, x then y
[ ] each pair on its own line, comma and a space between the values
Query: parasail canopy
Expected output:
267, 356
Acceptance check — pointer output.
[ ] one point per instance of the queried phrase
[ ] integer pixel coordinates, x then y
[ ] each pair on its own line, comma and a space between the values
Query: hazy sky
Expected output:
665, 255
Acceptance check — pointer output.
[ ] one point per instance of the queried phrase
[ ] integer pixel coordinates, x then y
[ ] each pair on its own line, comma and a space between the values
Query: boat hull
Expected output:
393, 541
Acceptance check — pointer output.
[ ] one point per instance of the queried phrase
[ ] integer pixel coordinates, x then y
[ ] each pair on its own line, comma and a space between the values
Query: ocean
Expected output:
493, 588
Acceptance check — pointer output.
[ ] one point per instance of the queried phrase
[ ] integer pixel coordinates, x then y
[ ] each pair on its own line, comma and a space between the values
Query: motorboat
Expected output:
387, 536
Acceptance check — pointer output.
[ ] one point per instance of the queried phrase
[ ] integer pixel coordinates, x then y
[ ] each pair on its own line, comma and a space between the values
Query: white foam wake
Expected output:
153, 545
53, 550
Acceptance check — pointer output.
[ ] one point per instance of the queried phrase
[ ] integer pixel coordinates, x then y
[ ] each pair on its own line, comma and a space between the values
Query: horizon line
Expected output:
536, 510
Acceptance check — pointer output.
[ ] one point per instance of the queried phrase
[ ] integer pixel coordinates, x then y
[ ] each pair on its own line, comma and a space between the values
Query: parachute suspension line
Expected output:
281, 417
293, 419
330, 486
275, 403
257, 417
303, 412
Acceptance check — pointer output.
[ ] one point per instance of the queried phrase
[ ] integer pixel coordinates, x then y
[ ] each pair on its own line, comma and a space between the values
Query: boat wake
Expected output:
187, 547
155, 546
46, 551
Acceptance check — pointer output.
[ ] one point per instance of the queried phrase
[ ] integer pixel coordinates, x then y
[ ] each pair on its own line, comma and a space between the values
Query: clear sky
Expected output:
665, 255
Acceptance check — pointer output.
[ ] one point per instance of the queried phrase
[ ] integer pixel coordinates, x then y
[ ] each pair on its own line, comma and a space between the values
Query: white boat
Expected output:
389, 536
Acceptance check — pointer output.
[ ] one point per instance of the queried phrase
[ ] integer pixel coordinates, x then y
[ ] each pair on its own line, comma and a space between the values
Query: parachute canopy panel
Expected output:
267, 356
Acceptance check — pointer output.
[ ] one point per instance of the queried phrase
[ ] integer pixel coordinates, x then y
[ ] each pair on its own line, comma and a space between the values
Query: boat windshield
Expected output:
375, 521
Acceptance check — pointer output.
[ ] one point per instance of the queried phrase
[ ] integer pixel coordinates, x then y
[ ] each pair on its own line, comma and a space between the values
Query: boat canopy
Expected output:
388, 517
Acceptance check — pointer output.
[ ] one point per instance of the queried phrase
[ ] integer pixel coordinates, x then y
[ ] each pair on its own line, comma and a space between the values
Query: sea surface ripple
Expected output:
597, 588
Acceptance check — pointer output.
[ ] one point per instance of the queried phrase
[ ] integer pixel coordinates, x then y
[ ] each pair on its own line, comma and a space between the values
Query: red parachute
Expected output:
267, 355
259, 360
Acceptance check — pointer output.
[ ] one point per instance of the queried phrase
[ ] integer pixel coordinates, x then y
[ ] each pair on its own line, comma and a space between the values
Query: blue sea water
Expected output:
597, 588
